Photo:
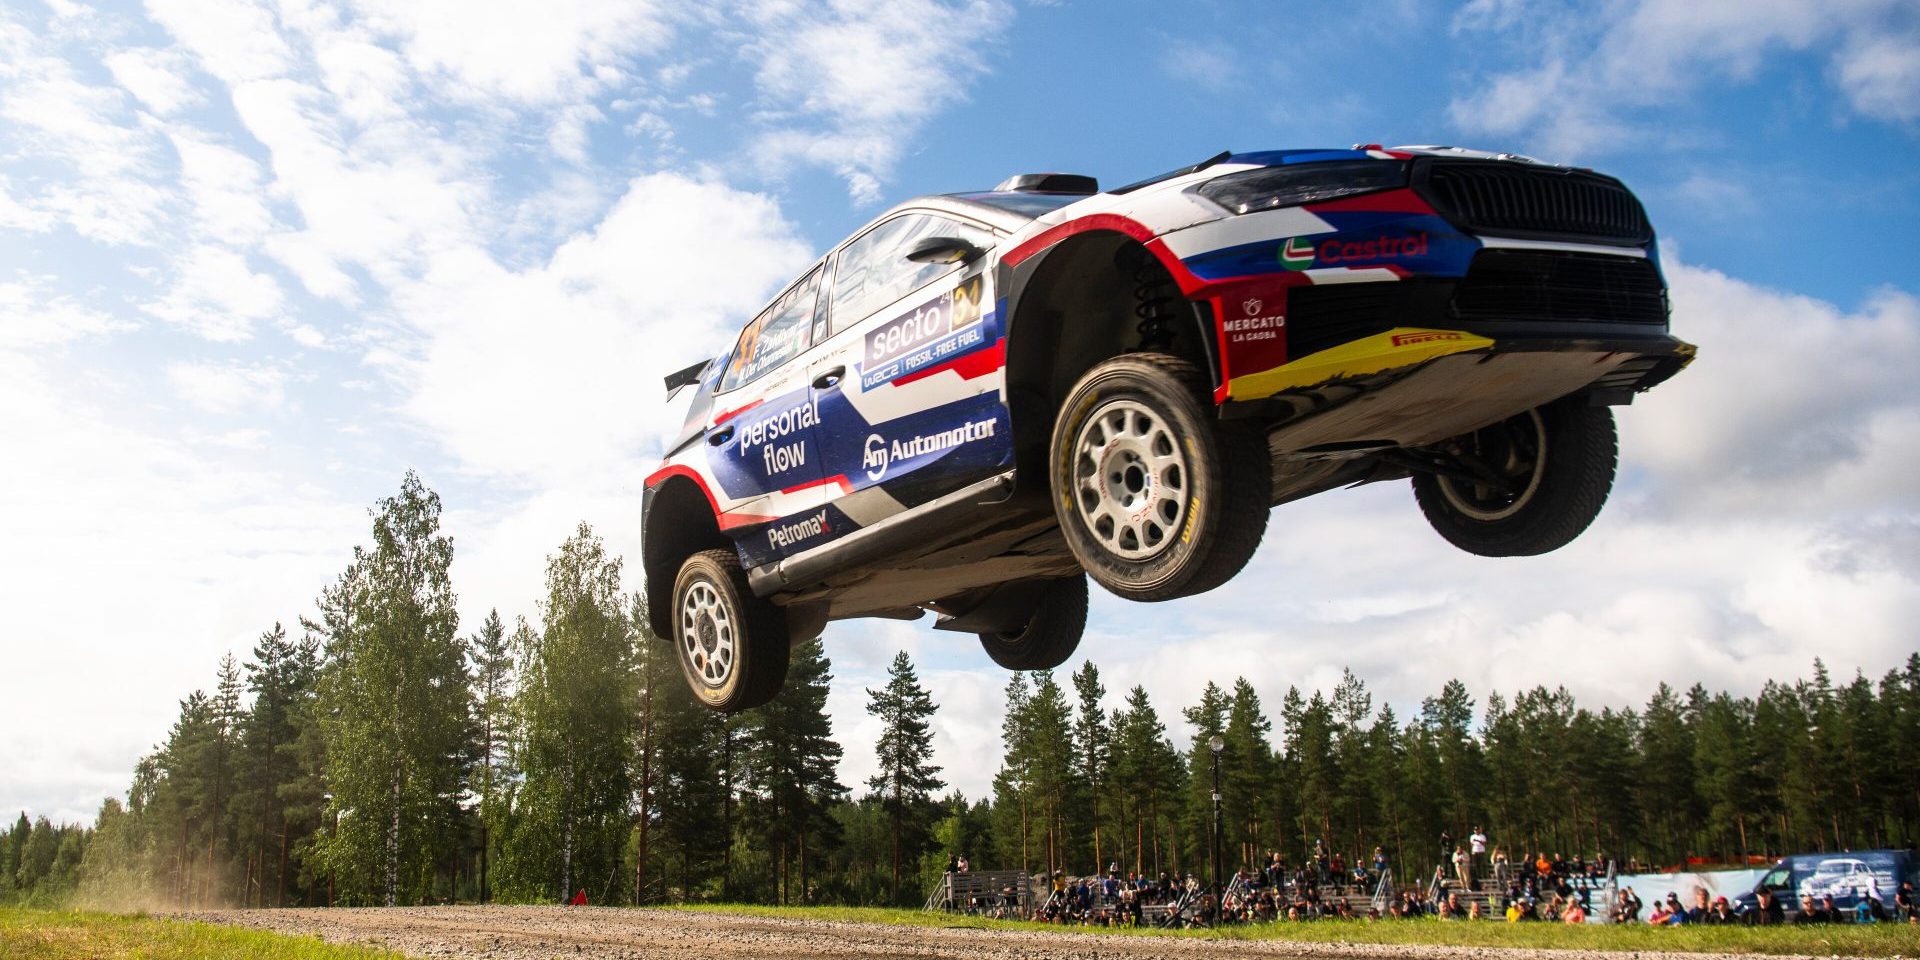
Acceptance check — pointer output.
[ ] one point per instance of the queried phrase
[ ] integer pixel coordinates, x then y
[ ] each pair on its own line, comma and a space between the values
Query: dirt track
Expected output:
539, 933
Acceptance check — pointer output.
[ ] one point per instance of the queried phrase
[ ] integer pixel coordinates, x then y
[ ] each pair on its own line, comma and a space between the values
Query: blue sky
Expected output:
258, 257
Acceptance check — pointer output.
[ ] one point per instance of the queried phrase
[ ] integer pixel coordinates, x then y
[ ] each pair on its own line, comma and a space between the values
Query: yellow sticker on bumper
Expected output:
1399, 347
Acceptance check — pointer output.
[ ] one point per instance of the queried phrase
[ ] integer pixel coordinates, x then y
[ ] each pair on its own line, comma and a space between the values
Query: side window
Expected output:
874, 271
777, 335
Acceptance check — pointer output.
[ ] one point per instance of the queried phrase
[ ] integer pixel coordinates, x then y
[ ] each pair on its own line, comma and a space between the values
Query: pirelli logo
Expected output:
1431, 336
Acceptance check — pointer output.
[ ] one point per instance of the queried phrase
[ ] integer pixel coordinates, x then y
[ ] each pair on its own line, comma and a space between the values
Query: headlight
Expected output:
1269, 187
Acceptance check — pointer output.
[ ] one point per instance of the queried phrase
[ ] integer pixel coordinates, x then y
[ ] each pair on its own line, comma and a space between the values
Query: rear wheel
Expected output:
732, 645
1051, 636
1157, 497
1524, 486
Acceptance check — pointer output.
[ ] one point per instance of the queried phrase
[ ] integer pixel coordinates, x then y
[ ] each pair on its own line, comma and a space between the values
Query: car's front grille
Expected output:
1553, 285
1513, 199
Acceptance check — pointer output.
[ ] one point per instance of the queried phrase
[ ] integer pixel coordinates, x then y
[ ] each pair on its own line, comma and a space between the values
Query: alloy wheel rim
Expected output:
708, 640
1130, 479
1516, 449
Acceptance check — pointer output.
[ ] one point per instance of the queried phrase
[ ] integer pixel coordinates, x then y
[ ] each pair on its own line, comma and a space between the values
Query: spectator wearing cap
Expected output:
1722, 912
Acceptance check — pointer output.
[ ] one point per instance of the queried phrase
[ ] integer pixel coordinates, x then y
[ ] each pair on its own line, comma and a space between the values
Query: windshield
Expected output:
1025, 204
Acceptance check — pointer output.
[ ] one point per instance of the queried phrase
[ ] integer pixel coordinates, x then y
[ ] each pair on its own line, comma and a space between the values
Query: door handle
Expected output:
720, 436
830, 379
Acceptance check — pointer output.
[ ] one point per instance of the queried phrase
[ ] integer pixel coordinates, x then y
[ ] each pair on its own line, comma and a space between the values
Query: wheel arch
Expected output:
1076, 303
677, 521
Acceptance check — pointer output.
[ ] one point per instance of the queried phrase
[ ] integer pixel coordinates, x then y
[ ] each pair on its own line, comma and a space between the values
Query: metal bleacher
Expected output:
982, 891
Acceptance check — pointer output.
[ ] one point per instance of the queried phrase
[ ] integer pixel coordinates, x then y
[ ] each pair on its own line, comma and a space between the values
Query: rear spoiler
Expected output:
681, 379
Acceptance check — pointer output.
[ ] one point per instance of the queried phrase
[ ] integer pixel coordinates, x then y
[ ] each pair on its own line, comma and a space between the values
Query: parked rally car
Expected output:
981, 399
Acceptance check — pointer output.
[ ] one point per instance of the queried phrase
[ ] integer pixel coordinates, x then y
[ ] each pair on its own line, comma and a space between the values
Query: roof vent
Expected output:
1049, 183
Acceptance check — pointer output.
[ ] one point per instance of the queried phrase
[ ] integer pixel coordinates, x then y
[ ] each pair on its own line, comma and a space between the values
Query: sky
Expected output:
260, 257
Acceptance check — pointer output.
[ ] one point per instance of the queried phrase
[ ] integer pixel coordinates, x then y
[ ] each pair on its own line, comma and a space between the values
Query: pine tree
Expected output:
659, 687
1148, 777
575, 708
790, 762
908, 776
490, 663
1092, 750
394, 705
1247, 776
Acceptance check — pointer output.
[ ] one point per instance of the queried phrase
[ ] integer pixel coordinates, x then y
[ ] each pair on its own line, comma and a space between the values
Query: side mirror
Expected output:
944, 250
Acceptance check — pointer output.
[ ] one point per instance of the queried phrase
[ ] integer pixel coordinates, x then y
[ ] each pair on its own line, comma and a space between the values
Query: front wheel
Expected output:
1050, 636
1524, 486
1156, 496
732, 645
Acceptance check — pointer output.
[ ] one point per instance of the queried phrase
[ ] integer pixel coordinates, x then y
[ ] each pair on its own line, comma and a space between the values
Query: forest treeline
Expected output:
378, 755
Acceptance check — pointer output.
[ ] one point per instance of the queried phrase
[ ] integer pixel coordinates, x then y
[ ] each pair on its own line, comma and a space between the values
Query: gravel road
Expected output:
541, 933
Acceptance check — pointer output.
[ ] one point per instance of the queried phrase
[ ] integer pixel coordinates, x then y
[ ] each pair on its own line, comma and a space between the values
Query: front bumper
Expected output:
1411, 386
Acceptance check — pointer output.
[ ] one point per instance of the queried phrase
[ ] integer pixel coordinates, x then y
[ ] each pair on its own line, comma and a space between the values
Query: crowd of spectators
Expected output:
1486, 885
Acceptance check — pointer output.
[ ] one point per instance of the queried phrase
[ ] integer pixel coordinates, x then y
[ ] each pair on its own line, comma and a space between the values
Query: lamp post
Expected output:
333, 819
1217, 744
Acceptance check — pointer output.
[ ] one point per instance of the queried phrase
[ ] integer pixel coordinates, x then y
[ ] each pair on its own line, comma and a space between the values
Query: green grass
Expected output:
70, 935
1880, 940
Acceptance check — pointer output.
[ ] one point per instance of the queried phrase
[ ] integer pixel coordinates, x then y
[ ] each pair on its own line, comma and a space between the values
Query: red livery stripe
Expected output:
730, 414
727, 521
1392, 201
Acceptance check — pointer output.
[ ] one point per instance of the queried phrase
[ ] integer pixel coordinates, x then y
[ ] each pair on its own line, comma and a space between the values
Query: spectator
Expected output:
1575, 914
1474, 912
963, 864
1380, 865
1477, 845
1721, 914
953, 864
1502, 870
1676, 914
1811, 913
1766, 911
1903, 903
1661, 916
1513, 910
1463, 867
1701, 907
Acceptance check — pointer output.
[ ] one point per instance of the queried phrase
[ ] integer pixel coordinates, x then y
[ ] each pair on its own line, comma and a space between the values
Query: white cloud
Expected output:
157, 76
228, 388
31, 315
1880, 74
1590, 69
554, 371
531, 54
226, 188
216, 295
189, 552
53, 114
869, 72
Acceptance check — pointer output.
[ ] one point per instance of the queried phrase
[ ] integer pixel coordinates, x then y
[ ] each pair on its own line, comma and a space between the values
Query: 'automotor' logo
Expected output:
880, 454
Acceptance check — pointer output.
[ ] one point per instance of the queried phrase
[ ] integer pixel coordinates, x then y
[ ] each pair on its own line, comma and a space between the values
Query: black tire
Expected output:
1051, 636
731, 645
1194, 531
1562, 483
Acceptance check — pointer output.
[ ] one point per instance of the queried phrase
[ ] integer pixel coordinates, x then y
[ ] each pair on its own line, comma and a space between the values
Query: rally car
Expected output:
981, 399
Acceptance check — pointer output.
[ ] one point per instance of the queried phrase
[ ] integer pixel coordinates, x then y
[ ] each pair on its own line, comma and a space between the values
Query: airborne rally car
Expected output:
981, 399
